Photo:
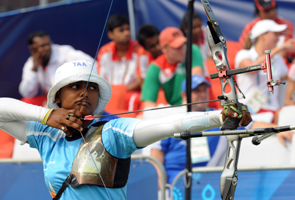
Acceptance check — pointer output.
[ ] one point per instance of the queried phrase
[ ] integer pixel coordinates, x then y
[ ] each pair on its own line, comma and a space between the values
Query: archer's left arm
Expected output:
149, 131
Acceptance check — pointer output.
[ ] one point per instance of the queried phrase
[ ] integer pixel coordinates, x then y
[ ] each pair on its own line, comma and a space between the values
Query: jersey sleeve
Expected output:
117, 137
151, 84
197, 56
40, 136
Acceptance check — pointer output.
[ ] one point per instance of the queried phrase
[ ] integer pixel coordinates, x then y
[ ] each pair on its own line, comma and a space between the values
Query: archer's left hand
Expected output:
231, 111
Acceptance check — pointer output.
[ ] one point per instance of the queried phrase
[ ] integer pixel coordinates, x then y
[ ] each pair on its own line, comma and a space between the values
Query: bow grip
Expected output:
230, 123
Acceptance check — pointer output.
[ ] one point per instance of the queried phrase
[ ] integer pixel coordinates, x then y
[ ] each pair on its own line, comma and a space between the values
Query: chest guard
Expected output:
114, 171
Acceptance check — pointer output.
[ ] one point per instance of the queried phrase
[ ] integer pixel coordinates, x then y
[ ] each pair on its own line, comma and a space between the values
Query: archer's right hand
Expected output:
63, 119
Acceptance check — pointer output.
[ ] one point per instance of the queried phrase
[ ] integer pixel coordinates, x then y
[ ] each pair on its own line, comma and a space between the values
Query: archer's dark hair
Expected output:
184, 22
146, 31
116, 20
32, 35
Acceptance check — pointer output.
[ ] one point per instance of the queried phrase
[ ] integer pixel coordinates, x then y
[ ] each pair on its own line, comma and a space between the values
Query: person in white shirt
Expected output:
39, 69
264, 36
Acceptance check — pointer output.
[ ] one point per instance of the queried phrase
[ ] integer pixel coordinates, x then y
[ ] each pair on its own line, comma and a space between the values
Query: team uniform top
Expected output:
58, 154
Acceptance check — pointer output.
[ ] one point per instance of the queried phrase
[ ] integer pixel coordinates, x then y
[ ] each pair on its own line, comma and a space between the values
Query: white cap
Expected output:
75, 71
264, 26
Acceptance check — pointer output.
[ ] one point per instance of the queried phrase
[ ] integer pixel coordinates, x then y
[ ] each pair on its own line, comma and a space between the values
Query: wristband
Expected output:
45, 118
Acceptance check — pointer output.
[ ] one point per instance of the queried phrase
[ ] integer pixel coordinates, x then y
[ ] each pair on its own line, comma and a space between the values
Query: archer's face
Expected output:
70, 97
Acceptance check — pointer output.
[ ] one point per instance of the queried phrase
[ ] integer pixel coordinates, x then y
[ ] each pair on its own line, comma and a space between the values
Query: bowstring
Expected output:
105, 23
107, 17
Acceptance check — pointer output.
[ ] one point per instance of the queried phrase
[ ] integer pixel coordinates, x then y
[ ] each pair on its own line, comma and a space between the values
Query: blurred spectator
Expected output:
172, 152
264, 35
39, 69
6, 145
290, 92
267, 9
168, 70
199, 34
118, 59
199, 38
148, 38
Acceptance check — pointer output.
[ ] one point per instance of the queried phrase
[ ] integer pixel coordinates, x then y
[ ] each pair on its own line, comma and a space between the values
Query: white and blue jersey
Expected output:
58, 153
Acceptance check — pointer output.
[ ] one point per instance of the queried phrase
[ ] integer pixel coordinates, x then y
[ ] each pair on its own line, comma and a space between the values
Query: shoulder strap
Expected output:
65, 184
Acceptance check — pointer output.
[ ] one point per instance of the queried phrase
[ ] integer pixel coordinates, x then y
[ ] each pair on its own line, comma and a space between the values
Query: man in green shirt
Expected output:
168, 70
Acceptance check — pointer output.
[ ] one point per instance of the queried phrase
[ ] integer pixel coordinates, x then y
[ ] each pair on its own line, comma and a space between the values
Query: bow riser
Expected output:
217, 44
222, 66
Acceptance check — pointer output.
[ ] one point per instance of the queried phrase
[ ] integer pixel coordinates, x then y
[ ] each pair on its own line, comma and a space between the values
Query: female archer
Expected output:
58, 131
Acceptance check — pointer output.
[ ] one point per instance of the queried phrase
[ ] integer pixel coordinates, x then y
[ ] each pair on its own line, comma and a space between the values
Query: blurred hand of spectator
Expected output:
283, 136
37, 59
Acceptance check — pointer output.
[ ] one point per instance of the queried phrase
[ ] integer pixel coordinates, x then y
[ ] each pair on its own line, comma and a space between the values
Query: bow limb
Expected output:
229, 176
218, 47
